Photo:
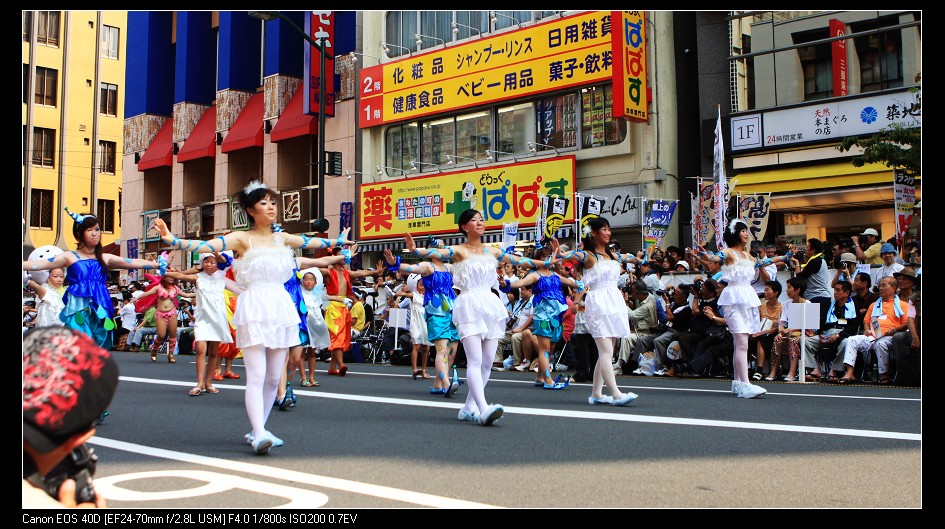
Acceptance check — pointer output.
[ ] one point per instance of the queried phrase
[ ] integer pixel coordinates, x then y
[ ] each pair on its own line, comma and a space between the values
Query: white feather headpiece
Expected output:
254, 185
732, 223
586, 230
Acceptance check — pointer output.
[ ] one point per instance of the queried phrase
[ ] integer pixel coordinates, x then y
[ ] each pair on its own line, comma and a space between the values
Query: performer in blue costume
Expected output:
438, 300
549, 303
87, 304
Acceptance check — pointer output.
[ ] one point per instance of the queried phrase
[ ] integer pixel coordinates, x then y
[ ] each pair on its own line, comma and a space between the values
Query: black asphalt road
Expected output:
377, 439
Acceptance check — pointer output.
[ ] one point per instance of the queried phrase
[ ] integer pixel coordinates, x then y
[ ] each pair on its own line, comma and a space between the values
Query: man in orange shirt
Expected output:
884, 318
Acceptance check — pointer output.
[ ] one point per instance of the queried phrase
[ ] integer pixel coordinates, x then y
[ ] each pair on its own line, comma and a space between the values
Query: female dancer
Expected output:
414, 290
266, 321
163, 296
604, 308
549, 303
211, 328
478, 314
739, 302
87, 305
438, 301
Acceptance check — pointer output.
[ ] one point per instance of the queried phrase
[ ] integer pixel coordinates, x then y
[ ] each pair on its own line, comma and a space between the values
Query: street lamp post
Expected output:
272, 15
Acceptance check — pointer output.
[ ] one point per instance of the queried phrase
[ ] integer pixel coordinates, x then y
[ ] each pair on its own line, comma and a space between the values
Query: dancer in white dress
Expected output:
211, 327
604, 307
266, 320
478, 313
738, 302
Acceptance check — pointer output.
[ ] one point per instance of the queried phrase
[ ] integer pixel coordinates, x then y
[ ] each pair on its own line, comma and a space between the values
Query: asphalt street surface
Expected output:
377, 439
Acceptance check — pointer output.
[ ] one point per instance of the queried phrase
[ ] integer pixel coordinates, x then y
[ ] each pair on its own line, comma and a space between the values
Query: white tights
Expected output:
604, 370
477, 371
264, 367
740, 360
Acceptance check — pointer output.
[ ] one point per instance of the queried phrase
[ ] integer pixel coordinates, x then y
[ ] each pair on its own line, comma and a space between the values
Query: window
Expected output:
106, 157
106, 215
26, 83
403, 26
45, 85
515, 128
402, 143
108, 99
41, 208
880, 57
47, 30
598, 126
473, 137
44, 146
558, 121
27, 25
439, 140
109, 42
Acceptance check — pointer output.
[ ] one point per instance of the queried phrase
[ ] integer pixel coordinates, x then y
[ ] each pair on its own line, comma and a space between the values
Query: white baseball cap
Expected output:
870, 231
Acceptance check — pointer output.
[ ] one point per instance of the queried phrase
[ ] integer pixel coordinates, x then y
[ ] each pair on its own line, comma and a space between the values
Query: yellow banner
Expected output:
553, 55
432, 204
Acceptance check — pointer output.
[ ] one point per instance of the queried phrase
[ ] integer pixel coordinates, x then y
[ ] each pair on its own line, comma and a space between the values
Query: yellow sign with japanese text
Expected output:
432, 204
548, 56
630, 82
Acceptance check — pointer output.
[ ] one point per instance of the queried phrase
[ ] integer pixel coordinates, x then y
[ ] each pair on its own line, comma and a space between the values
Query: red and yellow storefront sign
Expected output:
432, 204
548, 56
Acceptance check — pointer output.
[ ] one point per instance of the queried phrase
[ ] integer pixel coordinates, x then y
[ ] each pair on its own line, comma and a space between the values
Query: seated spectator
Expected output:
846, 270
762, 341
718, 342
677, 322
520, 329
763, 274
147, 325
888, 316
863, 296
788, 340
704, 324
906, 345
643, 321
841, 323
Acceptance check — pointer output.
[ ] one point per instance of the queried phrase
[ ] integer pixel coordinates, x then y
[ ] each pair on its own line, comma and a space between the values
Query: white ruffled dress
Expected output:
477, 310
738, 301
604, 307
265, 313
211, 324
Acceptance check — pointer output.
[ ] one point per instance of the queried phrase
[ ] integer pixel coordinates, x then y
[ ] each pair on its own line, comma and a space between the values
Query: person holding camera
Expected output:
68, 381
872, 243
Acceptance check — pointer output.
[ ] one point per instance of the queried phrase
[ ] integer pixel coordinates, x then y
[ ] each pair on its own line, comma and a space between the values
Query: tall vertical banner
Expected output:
320, 25
753, 209
904, 193
720, 192
659, 214
346, 215
558, 209
703, 220
629, 56
589, 207
542, 215
838, 52
509, 234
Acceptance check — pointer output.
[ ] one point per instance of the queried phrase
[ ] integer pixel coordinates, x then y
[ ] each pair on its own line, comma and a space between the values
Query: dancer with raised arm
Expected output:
87, 305
604, 308
739, 302
438, 301
549, 304
478, 314
266, 320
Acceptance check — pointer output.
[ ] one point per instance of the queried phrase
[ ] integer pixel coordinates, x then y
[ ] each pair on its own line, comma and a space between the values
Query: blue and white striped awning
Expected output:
563, 234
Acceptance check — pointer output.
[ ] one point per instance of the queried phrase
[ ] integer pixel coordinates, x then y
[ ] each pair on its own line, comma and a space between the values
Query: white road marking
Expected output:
406, 496
544, 412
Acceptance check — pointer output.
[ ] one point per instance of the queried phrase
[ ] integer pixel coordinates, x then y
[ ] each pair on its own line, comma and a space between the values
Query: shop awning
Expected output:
247, 130
293, 123
563, 234
159, 154
201, 142
809, 177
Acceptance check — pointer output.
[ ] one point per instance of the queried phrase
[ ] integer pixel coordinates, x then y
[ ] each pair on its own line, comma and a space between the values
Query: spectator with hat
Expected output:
68, 381
872, 243
888, 255
846, 271
906, 345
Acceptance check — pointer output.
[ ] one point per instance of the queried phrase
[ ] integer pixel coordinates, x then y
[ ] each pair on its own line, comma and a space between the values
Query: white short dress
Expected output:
477, 310
211, 324
604, 307
265, 314
739, 301
418, 321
